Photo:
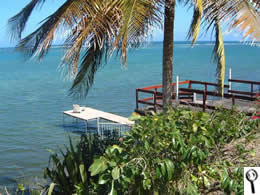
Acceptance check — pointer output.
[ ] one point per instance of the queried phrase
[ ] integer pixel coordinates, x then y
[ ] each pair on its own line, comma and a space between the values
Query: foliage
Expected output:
172, 153
69, 172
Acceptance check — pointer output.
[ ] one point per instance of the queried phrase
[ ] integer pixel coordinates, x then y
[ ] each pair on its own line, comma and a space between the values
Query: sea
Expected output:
33, 96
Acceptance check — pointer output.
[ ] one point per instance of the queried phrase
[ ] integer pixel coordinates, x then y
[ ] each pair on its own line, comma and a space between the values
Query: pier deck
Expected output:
87, 114
104, 121
197, 95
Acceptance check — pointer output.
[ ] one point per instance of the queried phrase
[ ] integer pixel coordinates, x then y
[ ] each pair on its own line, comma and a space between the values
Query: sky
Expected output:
10, 8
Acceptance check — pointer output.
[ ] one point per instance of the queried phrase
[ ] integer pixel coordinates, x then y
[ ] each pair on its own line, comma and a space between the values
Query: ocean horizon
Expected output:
160, 42
34, 95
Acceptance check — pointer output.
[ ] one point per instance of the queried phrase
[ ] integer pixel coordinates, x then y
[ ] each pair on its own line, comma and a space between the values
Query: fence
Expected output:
186, 95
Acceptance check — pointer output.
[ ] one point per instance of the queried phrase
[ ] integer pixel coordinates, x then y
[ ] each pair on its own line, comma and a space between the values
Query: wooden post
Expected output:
229, 82
173, 91
204, 101
233, 100
154, 99
136, 96
252, 89
206, 89
177, 89
189, 84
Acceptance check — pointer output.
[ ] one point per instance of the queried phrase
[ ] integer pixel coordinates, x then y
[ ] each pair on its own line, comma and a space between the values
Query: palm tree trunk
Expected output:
168, 53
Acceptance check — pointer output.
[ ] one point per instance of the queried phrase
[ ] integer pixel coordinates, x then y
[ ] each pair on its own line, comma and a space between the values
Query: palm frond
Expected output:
247, 20
100, 26
18, 22
38, 42
110, 24
195, 24
137, 18
95, 28
91, 62
242, 15
219, 57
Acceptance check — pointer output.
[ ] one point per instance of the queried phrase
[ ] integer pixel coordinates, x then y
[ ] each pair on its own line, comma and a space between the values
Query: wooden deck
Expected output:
208, 98
87, 114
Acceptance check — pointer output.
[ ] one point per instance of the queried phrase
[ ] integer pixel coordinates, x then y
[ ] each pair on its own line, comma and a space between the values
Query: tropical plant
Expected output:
179, 152
69, 173
98, 27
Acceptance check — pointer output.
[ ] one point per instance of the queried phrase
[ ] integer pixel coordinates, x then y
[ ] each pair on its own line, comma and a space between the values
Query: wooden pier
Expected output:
104, 121
201, 95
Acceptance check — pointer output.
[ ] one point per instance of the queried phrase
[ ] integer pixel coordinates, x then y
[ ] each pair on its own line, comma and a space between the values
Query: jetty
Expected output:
104, 121
199, 95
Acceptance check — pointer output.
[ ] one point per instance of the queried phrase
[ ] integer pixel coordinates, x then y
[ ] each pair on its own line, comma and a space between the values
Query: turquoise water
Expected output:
33, 96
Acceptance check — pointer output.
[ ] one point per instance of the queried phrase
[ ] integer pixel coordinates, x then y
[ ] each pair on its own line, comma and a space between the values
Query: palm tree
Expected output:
99, 27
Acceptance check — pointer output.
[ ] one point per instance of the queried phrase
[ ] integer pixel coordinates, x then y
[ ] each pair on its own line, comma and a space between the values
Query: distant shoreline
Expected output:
160, 42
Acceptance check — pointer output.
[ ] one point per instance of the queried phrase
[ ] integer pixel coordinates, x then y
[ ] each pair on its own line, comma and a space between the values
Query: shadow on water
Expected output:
78, 127
81, 127
7, 180
7, 183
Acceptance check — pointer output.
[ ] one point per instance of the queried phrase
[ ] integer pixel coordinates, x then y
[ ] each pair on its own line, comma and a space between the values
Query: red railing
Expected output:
252, 84
186, 94
156, 97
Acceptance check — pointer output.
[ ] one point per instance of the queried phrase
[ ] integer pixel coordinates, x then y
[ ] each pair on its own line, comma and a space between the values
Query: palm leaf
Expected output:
137, 18
38, 42
101, 24
91, 62
242, 15
247, 20
195, 25
17, 23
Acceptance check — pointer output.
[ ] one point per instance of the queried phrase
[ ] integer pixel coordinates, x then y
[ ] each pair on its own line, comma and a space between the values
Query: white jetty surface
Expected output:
87, 113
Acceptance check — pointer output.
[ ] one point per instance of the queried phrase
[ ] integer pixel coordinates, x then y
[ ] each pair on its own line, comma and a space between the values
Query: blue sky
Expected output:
10, 8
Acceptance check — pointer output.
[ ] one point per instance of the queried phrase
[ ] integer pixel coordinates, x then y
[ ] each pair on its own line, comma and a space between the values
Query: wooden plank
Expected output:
244, 81
146, 91
207, 83
242, 92
145, 102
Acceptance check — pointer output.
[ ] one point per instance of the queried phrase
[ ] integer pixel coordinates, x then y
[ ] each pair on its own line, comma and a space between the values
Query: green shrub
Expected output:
174, 153
69, 173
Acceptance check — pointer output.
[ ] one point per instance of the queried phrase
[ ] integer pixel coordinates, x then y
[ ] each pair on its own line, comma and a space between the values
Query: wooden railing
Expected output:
251, 83
155, 95
155, 98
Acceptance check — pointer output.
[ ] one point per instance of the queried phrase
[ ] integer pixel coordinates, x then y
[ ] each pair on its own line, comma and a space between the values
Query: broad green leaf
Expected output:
206, 181
115, 173
157, 172
110, 150
169, 168
83, 173
21, 187
135, 116
102, 179
147, 184
98, 166
146, 145
112, 163
195, 127
194, 178
163, 170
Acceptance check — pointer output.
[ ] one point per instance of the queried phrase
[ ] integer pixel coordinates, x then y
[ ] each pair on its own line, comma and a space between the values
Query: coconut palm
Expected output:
242, 15
99, 27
